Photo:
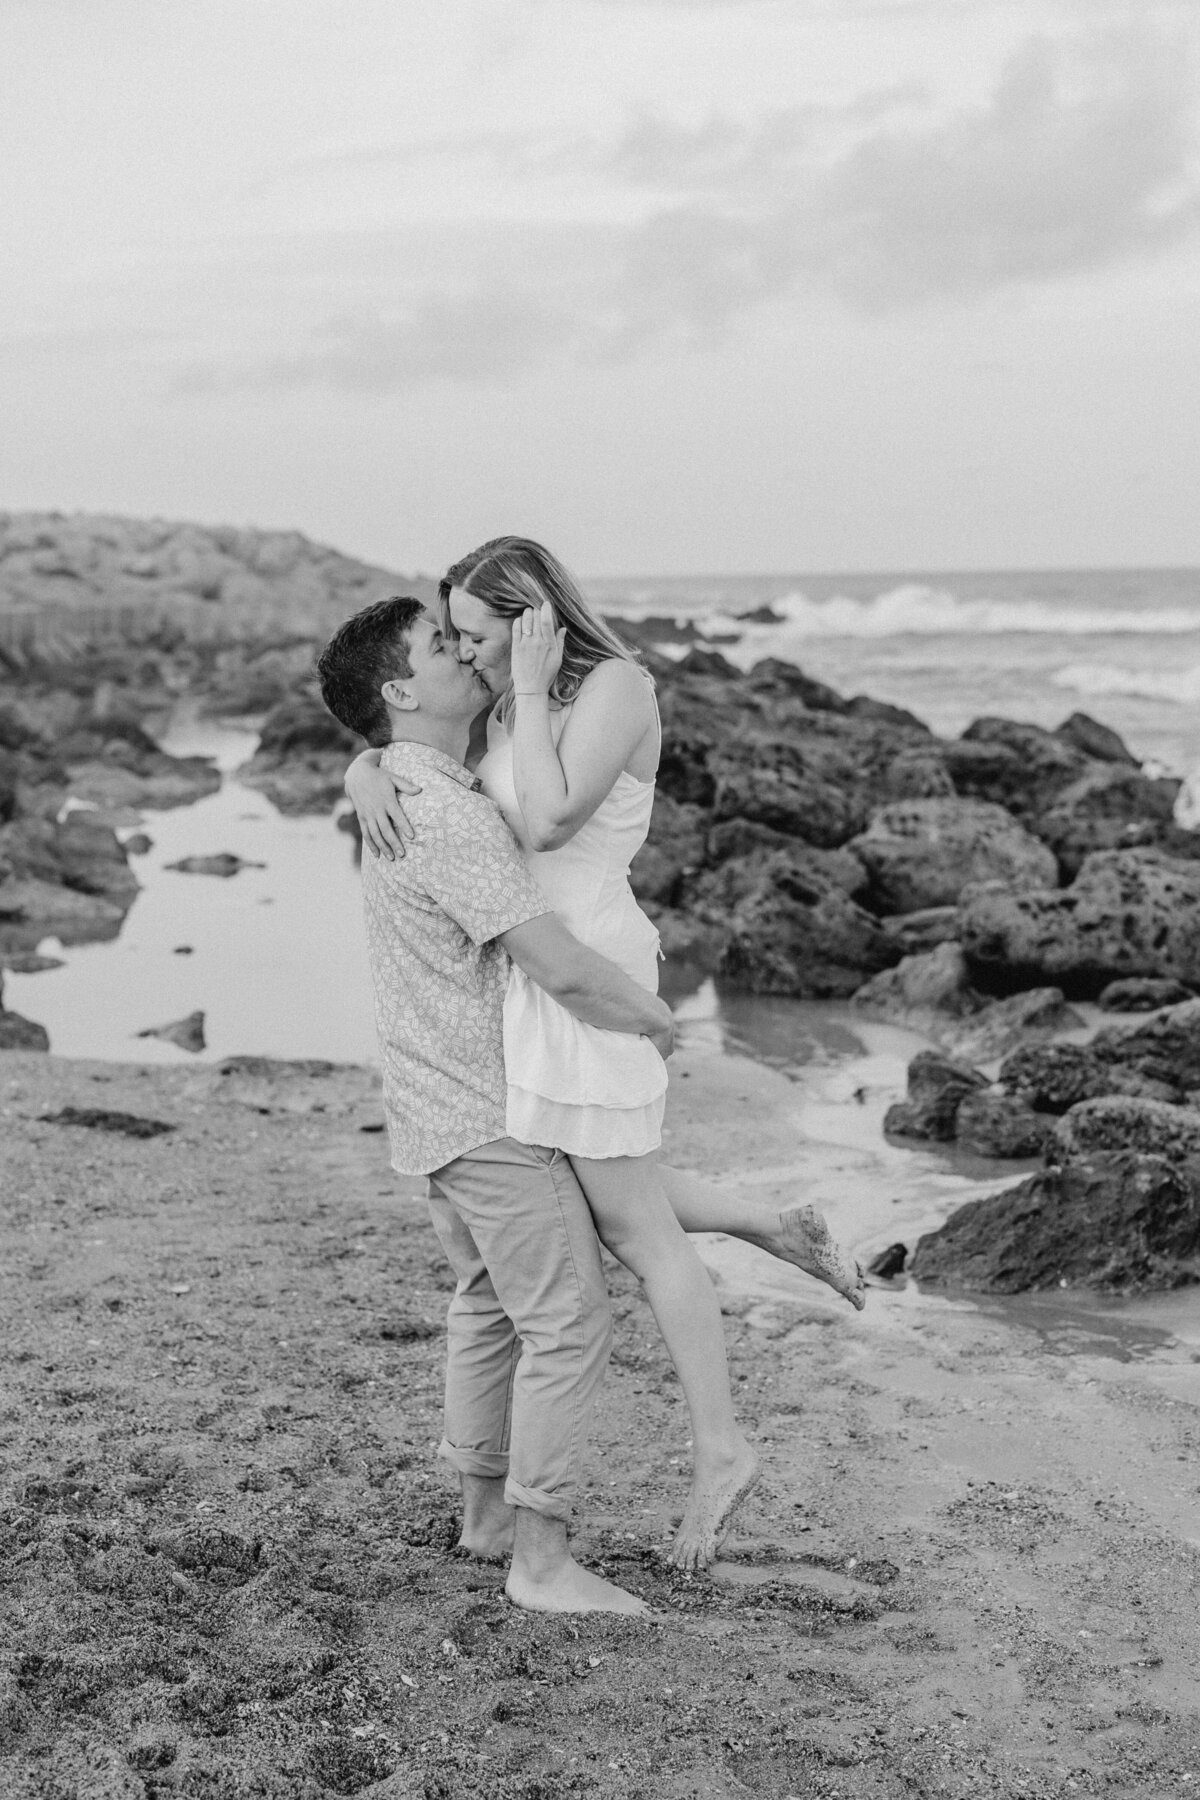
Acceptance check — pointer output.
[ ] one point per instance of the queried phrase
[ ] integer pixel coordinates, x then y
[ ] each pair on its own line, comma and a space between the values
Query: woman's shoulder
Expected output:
618, 681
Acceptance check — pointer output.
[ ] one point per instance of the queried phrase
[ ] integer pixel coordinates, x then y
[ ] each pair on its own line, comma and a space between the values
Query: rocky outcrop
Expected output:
794, 930
922, 853
937, 1087
992, 1122
933, 994
1110, 807
1128, 913
1117, 1206
1142, 995
302, 756
18, 1033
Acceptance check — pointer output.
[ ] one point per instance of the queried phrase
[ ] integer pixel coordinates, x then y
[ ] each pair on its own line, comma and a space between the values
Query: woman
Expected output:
571, 753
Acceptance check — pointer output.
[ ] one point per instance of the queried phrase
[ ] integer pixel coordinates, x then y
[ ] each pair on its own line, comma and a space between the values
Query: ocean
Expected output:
1123, 645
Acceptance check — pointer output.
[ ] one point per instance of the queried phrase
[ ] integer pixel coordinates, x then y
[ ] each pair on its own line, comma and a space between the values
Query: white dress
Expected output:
588, 1091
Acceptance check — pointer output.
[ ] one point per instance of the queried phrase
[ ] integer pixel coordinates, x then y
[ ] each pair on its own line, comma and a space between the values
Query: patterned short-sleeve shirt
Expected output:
433, 917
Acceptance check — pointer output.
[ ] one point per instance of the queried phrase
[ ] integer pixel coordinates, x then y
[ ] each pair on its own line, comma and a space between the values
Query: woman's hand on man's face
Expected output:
537, 650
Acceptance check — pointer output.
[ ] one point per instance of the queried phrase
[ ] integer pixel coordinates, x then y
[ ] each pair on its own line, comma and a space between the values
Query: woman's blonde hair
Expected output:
511, 574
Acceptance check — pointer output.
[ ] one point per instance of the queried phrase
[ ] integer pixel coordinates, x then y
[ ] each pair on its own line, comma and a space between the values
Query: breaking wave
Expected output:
1179, 686
916, 610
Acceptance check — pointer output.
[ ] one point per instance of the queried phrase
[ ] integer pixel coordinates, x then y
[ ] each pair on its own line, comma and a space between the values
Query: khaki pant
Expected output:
529, 1327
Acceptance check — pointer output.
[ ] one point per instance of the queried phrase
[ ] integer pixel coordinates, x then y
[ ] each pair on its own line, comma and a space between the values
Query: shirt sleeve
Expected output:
478, 876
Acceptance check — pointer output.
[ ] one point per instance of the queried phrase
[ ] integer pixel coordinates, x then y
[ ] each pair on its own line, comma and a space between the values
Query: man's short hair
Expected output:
362, 654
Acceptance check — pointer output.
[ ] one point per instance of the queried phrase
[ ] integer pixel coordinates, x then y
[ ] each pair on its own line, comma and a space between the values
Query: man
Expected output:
528, 1329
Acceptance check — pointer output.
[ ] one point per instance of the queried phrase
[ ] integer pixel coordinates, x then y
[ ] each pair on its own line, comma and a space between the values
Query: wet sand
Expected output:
971, 1569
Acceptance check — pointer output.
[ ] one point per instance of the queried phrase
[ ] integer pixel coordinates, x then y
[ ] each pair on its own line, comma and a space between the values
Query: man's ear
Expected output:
399, 697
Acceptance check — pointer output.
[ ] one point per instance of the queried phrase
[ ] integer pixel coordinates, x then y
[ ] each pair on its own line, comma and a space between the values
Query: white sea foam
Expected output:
1181, 687
916, 610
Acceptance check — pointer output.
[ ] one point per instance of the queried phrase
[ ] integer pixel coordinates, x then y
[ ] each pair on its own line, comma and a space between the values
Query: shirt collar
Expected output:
397, 754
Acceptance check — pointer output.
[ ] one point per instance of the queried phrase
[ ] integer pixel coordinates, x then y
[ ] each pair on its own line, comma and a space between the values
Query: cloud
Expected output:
1080, 160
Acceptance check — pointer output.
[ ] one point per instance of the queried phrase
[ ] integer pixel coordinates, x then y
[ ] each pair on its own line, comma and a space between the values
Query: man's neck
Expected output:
450, 736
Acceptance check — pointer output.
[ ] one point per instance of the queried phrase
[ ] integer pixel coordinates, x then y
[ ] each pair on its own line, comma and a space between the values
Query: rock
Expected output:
1019, 766
1120, 1122
1143, 995
937, 1086
138, 844
999, 1025
922, 930
302, 756
795, 931
187, 1033
1118, 1205
1054, 1077
1128, 912
170, 781
1115, 1221
773, 676
36, 902
1095, 740
922, 853
28, 962
674, 849
1165, 1047
932, 993
17, 1033
889, 1263
224, 863
1107, 808
98, 1118
993, 1122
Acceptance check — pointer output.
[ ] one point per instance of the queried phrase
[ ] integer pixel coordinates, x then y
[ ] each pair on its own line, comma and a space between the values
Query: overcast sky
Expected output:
676, 285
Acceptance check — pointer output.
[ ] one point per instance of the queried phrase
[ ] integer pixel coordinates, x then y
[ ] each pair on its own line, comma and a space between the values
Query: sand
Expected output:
970, 1570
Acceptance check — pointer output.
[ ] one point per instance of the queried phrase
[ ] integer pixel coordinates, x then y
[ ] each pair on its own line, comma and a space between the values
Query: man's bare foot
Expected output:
488, 1520
569, 1588
488, 1546
715, 1496
806, 1240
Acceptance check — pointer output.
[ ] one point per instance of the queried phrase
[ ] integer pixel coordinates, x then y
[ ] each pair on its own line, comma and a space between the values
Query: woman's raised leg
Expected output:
796, 1234
635, 1222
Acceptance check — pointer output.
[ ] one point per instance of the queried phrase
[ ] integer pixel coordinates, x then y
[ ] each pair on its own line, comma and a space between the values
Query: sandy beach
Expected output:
971, 1569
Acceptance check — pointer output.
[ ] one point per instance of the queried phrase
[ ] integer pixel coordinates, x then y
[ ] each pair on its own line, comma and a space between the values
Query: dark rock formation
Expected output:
17, 1033
992, 1122
1095, 740
302, 756
922, 930
889, 1263
1117, 1205
795, 931
1051, 1078
1109, 807
937, 1087
932, 993
1128, 912
224, 863
1164, 1047
1142, 995
187, 1033
922, 853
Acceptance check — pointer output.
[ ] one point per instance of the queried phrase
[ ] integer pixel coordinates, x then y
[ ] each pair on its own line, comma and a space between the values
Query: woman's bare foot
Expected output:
806, 1240
569, 1588
716, 1494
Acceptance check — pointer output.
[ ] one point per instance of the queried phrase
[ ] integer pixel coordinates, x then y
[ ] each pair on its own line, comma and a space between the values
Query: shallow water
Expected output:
278, 965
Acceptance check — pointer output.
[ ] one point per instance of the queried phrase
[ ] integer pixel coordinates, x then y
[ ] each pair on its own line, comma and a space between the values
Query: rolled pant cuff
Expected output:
488, 1463
538, 1500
